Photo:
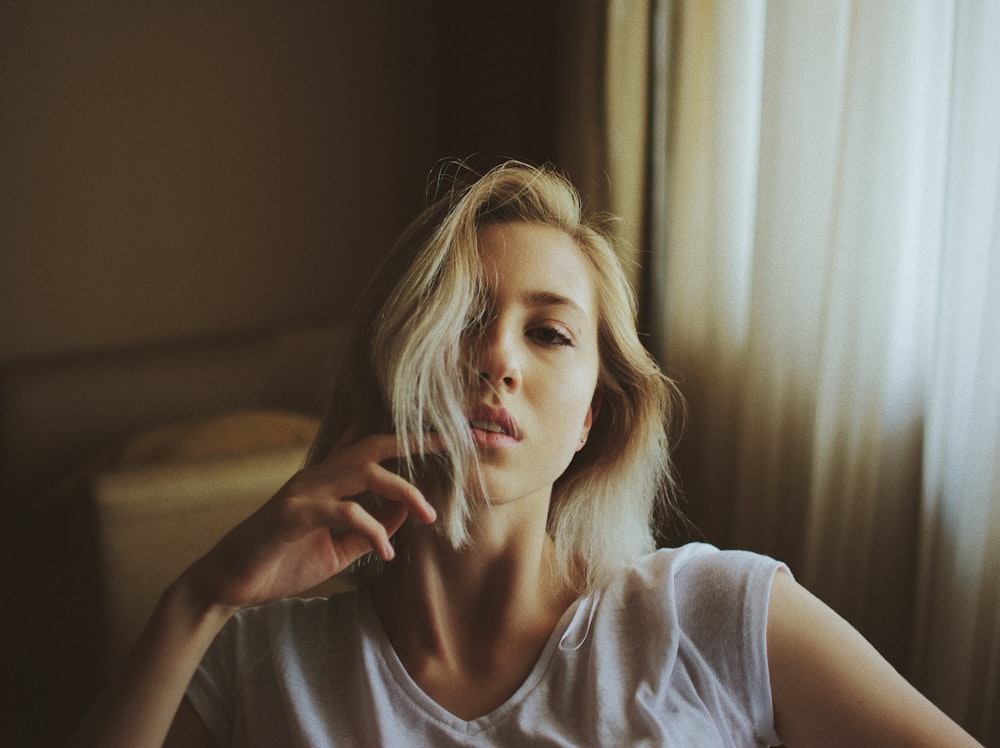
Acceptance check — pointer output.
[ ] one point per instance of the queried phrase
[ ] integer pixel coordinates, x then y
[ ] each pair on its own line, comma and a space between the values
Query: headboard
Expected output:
59, 416
80, 440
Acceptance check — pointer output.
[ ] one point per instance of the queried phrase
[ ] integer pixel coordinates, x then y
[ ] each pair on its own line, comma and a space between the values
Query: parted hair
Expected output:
407, 369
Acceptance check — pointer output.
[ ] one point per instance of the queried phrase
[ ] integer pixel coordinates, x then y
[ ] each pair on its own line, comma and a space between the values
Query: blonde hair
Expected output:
406, 370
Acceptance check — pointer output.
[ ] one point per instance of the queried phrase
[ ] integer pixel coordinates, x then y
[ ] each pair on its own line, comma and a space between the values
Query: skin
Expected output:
538, 358
282, 549
832, 688
477, 619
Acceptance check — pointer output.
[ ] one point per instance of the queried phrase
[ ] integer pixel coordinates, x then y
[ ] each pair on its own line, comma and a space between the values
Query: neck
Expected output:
464, 608
470, 624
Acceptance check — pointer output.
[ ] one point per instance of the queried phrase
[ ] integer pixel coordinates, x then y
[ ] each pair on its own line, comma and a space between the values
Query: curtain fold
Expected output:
822, 212
603, 129
960, 544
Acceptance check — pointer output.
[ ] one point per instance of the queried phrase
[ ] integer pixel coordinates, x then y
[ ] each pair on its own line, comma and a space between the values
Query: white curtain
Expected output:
823, 214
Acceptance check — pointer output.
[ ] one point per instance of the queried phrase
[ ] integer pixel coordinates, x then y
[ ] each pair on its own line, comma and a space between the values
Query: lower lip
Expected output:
491, 439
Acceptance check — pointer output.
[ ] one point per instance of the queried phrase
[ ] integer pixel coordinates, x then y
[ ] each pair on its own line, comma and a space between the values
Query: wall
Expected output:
176, 170
178, 175
171, 174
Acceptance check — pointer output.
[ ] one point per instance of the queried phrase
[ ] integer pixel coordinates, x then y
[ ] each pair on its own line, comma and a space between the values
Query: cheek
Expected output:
572, 414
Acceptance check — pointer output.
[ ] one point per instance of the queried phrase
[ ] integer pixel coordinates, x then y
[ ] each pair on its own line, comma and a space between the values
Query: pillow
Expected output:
174, 491
228, 434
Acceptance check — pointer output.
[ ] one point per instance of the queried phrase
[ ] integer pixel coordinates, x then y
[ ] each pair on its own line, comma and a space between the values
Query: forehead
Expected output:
527, 257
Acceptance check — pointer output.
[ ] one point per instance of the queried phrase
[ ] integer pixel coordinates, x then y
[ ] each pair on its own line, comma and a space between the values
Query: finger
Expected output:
350, 544
391, 516
368, 454
382, 447
331, 483
355, 519
349, 547
395, 488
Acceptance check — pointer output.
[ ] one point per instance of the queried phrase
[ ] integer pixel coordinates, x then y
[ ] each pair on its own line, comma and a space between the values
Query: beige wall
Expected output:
171, 174
180, 185
179, 174
174, 170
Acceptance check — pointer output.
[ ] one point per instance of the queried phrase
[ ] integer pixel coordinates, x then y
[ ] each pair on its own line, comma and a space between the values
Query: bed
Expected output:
120, 469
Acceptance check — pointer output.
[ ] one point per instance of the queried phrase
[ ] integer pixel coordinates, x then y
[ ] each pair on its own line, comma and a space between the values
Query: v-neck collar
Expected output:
370, 622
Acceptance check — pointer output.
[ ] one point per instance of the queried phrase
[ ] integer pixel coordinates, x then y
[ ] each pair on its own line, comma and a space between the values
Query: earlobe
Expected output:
588, 422
592, 411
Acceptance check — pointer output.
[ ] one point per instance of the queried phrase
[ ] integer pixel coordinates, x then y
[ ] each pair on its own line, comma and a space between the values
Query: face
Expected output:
537, 359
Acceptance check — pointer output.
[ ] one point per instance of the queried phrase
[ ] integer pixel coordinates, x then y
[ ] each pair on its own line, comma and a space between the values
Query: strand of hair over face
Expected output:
421, 334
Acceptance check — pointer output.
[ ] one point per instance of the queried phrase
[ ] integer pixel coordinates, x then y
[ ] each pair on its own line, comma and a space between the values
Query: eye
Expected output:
550, 335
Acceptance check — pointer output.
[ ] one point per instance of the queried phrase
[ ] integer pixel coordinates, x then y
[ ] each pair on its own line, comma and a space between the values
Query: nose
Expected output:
498, 359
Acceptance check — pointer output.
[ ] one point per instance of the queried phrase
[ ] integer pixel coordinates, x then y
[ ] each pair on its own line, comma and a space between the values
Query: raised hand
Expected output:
306, 533
311, 529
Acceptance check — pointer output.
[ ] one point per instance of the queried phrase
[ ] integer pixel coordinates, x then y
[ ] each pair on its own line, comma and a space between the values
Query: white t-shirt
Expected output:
670, 652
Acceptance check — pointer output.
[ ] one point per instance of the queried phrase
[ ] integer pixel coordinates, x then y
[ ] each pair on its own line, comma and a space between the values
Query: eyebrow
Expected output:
550, 298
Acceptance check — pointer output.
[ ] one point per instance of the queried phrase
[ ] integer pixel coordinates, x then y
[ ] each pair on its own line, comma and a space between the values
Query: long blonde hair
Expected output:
406, 370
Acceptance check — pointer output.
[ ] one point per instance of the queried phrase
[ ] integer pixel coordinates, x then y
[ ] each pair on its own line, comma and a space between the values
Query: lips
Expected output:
493, 426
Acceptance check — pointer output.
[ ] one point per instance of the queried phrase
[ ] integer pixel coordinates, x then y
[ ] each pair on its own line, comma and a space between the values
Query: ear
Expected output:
588, 421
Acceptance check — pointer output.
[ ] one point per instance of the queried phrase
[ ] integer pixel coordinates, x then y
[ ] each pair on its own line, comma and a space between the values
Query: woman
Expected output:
489, 471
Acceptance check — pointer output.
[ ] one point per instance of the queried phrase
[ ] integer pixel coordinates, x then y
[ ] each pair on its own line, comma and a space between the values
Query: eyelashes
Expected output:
540, 330
550, 335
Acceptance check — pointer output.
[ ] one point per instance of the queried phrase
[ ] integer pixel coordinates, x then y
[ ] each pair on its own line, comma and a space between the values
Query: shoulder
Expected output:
831, 687
698, 574
271, 656
716, 600
689, 624
699, 558
285, 624
297, 610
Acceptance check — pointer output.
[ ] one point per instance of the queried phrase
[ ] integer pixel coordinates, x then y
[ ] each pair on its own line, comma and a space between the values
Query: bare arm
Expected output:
831, 687
284, 548
142, 700
188, 730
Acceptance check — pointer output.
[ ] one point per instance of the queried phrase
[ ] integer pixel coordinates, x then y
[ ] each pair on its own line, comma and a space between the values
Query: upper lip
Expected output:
485, 415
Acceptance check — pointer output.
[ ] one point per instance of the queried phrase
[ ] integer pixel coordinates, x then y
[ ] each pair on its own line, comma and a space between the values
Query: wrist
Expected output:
191, 603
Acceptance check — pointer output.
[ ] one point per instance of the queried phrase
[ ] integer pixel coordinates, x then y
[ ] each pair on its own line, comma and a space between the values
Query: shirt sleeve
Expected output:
728, 593
214, 690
